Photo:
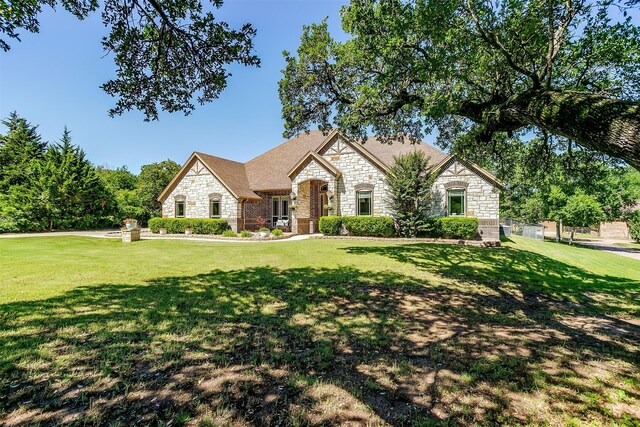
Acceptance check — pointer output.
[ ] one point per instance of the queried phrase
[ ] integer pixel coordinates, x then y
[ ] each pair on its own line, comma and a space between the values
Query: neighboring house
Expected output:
298, 180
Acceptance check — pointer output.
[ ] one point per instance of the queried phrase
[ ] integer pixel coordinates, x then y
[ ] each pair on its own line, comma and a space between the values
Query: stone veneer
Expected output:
196, 186
481, 197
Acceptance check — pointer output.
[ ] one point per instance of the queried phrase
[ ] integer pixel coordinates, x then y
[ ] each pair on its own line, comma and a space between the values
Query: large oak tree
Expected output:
168, 53
479, 70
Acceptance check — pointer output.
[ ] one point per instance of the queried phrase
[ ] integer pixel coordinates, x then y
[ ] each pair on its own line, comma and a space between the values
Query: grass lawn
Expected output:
316, 332
635, 246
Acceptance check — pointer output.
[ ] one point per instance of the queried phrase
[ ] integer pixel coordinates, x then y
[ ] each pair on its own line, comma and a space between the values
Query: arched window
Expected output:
180, 208
215, 205
456, 203
364, 199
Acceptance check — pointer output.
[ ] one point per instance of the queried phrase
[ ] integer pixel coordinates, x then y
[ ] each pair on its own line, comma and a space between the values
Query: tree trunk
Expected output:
607, 125
573, 230
558, 235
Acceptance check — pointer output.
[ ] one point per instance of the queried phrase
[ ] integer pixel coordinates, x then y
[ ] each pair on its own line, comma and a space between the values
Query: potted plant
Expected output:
264, 232
188, 231
130, 223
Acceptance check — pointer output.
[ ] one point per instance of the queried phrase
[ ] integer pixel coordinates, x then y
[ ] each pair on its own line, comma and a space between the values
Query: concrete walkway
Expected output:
89, 233
115, 234
608, 245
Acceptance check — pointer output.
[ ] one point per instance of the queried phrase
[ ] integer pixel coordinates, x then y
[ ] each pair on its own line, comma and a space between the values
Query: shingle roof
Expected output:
269, 171
232, 174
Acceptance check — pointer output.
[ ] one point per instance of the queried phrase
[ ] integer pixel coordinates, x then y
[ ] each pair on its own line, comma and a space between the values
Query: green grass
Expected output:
633, 245
312, 332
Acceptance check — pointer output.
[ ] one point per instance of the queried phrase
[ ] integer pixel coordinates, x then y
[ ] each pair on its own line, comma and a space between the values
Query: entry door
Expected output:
324, 201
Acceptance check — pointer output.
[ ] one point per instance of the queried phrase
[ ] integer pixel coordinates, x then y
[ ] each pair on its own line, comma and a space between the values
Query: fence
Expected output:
533, 231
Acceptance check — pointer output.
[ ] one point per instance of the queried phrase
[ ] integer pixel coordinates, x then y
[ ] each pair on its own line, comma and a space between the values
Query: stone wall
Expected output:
614, 230
196, 186
482, 198
356, 170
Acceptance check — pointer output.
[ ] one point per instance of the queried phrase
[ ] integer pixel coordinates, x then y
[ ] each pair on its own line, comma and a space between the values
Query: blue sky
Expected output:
52, 78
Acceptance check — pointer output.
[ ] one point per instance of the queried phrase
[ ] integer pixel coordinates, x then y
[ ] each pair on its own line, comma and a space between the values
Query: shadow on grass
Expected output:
314, 346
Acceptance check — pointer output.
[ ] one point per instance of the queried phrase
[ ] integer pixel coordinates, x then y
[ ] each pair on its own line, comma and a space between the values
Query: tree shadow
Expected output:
305, 346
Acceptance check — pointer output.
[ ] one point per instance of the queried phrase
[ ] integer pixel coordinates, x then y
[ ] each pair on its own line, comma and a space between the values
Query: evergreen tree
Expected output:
63, 192
18, 147
409, 181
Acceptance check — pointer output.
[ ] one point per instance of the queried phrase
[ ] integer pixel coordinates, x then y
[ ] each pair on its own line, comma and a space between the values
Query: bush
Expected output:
229, 233
634, 226
330, 225
246, 233
458, 227
263, 229
277, 232
369, 225
197, 225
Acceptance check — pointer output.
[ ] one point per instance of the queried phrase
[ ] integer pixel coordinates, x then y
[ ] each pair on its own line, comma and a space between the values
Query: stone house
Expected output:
313, 175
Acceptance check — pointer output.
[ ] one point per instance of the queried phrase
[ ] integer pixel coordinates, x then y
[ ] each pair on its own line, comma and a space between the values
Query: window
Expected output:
214, 208
456, 202
279, 209
285, 208
364, 202
275, 210
179, 208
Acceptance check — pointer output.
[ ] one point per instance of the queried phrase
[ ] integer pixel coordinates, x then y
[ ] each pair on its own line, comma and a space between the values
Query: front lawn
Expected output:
314, 332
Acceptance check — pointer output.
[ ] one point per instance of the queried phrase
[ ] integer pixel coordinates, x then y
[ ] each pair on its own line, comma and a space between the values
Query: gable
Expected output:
453, 167
336, 146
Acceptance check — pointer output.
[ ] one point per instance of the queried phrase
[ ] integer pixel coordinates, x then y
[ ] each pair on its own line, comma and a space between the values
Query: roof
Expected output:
270, 171
231, 174
311, 156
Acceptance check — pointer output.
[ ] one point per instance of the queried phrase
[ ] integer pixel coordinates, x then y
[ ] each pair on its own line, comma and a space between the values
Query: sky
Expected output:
52, 79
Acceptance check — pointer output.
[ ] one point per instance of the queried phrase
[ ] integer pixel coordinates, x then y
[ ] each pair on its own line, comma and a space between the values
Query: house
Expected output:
313, 175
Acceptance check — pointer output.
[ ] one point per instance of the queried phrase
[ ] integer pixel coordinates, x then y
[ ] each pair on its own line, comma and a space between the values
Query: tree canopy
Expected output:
481, 72
168, 54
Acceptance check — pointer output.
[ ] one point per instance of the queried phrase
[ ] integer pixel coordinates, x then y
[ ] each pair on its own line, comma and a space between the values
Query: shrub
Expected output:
634, 226
330, 225
198, 225
458, 227
277, 232
369, 225
246, 233
229, 233
263, 229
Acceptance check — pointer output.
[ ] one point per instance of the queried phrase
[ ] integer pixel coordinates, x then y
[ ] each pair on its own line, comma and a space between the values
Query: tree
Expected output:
62, 192
480, 71
18, 147
634, 225
117, 179
152, 180
165, 52
409, 181
581, 210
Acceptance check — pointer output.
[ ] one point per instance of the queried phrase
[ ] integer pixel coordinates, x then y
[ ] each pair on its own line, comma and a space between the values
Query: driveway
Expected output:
608, 245
88, 233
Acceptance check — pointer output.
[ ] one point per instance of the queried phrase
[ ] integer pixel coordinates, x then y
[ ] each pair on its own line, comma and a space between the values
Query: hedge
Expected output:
453, 227
330, 225
198, 225
369, 225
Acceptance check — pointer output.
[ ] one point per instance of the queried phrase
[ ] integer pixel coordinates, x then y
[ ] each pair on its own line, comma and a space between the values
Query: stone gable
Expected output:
196, 186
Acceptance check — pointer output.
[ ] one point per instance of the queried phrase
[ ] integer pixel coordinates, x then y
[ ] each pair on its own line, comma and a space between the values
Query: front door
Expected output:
324, 202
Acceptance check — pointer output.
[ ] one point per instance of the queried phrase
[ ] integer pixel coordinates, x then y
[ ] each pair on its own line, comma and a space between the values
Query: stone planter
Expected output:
163, 231
188, 231
131, 224
263, 234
